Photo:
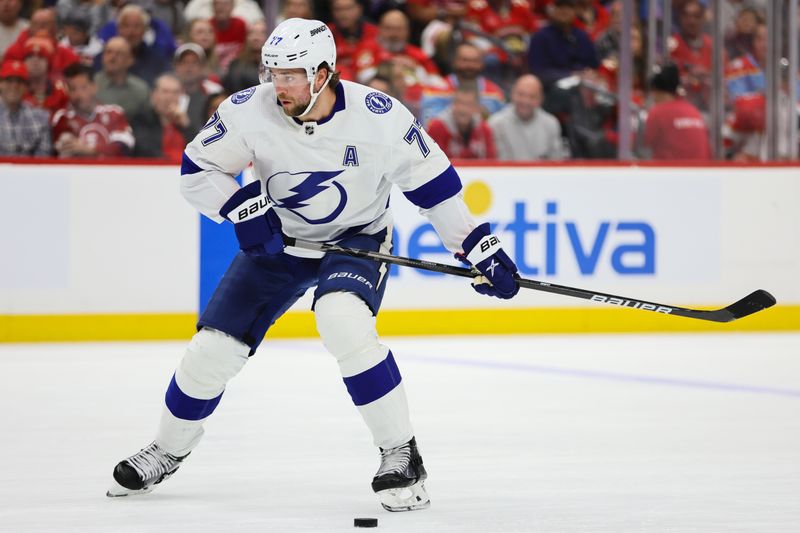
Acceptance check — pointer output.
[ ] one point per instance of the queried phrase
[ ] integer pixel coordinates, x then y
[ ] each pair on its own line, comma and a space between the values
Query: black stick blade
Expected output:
752, 303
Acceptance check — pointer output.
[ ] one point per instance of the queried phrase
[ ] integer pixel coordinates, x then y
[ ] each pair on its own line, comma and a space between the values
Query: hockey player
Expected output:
325, 154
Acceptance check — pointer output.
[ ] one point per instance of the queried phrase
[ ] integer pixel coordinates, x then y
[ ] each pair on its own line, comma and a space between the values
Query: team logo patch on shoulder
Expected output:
378, 102
243, 96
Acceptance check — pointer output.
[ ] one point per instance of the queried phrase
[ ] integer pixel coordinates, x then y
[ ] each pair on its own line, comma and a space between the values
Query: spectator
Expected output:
24, 129
561, 50
161, 130
148, 63
375, 9
155, 33
746, 84
200, 31
435, 21
230, 33
43, 92
732, 8
461, 131
467, 69
170, 12
591, 17
350, 31
424, 12
744, 76
562, 57
381, 83
511, 22
96, 13
607, 43
243, 71
596, 128
43, 24
392, 43
690, 50
675, 129
739, 41
79, 38
87, 128
191, 70
115, 84
301, 9
746, 139
390, 78
523, 131
249, 10
609, 67
43, 21
11, 24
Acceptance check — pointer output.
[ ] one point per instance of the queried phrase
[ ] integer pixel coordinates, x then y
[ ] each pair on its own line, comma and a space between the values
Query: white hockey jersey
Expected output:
326, 179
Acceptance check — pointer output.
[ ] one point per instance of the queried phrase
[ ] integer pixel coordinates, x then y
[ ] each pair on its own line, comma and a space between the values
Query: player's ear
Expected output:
319, 79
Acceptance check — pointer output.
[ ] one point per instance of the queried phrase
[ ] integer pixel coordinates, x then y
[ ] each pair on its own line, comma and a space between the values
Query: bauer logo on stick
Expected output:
631, 303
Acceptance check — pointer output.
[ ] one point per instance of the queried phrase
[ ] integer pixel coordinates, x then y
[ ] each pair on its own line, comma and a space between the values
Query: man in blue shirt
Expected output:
560, 49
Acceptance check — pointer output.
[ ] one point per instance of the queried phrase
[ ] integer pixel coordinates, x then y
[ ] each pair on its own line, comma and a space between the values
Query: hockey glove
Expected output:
258, 228
482, 250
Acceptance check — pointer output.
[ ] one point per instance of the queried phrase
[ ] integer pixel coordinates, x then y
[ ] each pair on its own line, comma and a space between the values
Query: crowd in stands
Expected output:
489, 79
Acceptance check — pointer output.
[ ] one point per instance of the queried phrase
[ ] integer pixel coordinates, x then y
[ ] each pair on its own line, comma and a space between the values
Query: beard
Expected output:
295, 110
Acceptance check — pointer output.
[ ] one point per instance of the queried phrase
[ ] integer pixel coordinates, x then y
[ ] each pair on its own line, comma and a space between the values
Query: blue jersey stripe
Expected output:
444, 186
185, 407
374, 383
188, 166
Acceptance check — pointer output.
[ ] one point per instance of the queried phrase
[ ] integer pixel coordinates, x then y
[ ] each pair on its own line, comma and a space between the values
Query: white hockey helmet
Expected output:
299, 43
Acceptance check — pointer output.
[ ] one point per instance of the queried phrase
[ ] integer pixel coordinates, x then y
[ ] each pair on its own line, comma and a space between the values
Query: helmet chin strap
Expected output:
315, 95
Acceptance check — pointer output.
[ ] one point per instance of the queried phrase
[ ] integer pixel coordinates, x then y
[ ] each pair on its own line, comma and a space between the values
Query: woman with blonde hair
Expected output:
201, 32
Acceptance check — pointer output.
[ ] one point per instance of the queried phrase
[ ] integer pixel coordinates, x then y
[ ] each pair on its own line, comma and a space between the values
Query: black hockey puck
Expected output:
365, 522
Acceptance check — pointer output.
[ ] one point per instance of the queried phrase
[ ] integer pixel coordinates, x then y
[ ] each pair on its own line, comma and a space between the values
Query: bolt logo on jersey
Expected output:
378, 102
243, 96
313, 199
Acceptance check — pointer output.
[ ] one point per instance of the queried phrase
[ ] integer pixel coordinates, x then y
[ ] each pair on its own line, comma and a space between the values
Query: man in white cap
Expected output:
191, 68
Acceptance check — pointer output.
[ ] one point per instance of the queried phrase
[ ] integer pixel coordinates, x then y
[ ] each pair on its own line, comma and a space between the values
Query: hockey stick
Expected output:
752, 303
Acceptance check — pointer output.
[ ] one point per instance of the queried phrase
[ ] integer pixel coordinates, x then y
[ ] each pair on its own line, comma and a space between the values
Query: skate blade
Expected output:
118, 491
410, 498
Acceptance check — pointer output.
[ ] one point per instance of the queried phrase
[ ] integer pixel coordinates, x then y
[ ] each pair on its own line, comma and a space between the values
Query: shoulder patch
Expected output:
378, 103
243, 96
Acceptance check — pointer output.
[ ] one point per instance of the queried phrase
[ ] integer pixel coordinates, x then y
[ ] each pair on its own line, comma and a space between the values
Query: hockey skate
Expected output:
400, 480
141, 472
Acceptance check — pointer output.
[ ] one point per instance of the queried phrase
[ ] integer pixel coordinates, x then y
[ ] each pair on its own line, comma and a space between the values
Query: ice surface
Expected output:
677, 433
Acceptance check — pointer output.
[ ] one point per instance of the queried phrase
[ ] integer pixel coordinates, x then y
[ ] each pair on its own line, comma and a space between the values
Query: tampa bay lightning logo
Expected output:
378, 102
329, 197
243, 96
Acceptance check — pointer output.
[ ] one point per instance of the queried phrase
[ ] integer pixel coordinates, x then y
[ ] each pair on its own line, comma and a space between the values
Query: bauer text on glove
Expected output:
483, 251
258, 228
